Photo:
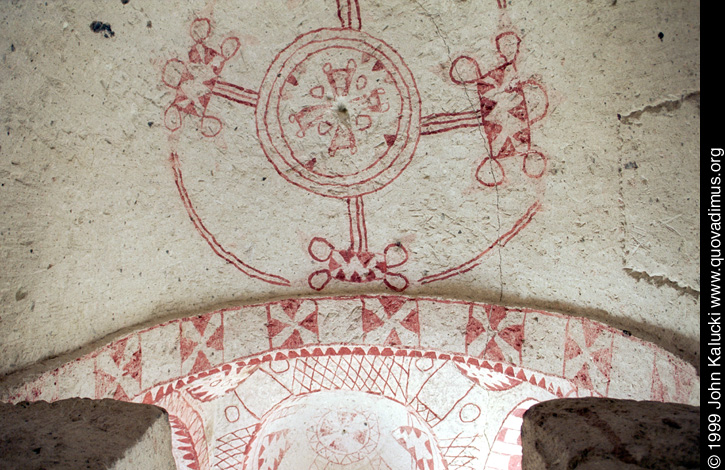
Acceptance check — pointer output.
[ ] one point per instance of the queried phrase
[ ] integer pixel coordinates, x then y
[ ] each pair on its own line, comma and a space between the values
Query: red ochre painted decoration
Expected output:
197, 79
375, 381
508, 108
338, 114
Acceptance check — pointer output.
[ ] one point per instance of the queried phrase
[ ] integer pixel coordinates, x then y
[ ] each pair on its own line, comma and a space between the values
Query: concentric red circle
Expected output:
339, 113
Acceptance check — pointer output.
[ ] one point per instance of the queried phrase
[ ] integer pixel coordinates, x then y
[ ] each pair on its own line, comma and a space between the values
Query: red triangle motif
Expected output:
497, 75
603, 360
519, 112
583, 378
117, 350
513, 335
200, 323
186, 347
492, 130
393, 339
370, 320
571, 349
487, 105
310, 323
496, 313
378, 66
190, 109
507, 150
334, 264
591, 332
120, 395
210, 84
365, 257
216, 340
411, 322
412, 439
483, 88
204, 100
390, 139
391, 305
290, 307
294, 341
291, 79
523, 136
200, 364
493, 351
473, 329
347, 255
209, 54
104, 382
310, 164
366, 57
133, 367
185, 76
195, 55
274, 327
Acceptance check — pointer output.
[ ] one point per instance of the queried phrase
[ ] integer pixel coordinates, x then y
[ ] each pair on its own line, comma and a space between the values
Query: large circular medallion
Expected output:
339, 113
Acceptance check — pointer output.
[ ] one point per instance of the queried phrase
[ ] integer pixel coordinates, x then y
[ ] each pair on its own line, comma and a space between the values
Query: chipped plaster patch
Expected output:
659, 168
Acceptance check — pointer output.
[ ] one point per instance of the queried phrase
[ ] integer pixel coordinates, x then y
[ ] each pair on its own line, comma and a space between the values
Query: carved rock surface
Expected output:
84, 434
603, 434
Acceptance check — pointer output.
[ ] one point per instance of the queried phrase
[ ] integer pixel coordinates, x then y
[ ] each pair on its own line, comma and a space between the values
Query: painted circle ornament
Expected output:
345, 436
339, 113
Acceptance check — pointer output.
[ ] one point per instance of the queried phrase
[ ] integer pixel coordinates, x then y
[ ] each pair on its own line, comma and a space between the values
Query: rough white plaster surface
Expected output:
363, 381
662, 222
174, 167
76, 434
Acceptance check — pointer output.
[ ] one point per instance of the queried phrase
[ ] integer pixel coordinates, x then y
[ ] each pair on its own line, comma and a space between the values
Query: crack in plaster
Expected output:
660, 281
483, 136
666, 105
653, 279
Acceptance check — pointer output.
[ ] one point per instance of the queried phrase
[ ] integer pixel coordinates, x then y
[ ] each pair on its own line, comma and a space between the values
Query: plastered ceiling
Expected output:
164, 161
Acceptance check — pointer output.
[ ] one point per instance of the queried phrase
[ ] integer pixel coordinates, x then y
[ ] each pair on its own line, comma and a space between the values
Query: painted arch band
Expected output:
363, 382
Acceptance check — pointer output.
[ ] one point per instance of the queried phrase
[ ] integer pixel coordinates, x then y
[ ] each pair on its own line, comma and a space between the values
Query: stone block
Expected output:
81, 433
608, 434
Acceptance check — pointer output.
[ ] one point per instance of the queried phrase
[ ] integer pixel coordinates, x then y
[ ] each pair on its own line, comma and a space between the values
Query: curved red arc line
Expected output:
502, 241
211, 240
